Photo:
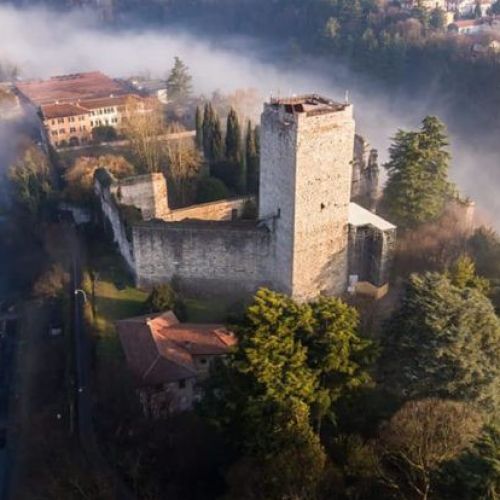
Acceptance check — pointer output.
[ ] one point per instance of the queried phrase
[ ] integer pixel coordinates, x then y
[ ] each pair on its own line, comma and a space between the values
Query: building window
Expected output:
71, 119
62, 131
203, 361
182, 384
54, 132
72, 130
60, 120
53, 122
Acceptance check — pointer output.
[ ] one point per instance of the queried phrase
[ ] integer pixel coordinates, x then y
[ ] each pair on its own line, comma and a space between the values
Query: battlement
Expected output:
308, 105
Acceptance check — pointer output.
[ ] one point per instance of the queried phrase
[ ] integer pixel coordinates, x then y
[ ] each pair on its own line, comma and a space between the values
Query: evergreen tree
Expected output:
476, 473
199, 127
216, 147
179, 81
234, 149
444, 341
478, 11
233, 137
207, 128
335, 352
211, 189
252, 160
417, 187
289, 352
463, 274
437, 19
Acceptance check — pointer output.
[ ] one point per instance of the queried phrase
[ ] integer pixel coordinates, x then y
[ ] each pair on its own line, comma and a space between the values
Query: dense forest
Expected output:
398, 48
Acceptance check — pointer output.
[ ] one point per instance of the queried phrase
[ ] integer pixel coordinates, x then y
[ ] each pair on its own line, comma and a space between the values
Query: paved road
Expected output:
82, 377
7, 350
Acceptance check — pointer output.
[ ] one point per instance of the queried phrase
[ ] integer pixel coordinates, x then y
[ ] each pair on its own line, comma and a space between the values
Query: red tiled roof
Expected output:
104, 102
159, 349
70, 88
81, 107
61, 110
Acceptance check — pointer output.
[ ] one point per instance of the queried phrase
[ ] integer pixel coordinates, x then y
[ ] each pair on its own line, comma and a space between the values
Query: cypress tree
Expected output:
216, 151
233, 137
199, 127
207, 128
234, 150
252, 159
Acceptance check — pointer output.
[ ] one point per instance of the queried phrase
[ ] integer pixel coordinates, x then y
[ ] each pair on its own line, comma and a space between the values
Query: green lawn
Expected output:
206, 310
117, 298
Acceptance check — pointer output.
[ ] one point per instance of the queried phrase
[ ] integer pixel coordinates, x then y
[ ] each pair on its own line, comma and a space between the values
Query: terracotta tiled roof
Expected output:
159, 349
81, 107
105, 102
50, 111
70, 88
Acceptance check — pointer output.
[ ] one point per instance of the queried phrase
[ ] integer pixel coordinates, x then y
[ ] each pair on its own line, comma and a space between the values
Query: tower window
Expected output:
322, 206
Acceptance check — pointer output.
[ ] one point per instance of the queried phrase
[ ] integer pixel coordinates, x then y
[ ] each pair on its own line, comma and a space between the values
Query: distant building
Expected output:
465, 27
153, 88
168, 359
466, 8
426, 4
71, 106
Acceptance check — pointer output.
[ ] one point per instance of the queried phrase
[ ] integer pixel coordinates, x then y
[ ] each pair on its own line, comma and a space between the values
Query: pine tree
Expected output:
199, 127
179, 81
252, 160
417, 187
444, 342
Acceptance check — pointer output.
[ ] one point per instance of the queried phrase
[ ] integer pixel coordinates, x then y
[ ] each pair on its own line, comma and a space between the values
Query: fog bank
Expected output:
44, 43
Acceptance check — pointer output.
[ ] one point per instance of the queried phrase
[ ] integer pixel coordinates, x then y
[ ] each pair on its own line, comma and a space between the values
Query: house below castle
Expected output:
169, 359
308, 239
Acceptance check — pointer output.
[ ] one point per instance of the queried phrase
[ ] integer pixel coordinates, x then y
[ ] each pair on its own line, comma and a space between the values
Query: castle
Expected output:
309, 238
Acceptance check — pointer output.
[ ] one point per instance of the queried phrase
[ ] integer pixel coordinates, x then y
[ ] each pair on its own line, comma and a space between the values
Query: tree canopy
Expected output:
443, 341
417, 186
30, 177
179, 81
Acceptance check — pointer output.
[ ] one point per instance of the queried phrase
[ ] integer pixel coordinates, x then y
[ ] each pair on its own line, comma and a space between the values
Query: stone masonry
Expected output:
308, 238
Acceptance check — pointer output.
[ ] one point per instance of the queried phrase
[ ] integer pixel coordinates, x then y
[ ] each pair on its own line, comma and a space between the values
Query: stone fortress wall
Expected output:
300, 243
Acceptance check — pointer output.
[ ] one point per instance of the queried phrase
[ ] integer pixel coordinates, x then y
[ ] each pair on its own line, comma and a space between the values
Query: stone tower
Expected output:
305, 182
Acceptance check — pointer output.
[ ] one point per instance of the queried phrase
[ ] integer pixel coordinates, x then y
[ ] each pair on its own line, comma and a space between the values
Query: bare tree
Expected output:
184, 165
143, 126
419, 438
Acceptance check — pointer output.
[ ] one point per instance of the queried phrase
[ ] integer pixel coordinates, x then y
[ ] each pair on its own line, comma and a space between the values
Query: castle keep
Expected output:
309, 237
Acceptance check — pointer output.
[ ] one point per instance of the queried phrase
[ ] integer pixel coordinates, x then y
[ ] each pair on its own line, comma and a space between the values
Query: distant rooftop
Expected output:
359, 216
311, 104
70, 88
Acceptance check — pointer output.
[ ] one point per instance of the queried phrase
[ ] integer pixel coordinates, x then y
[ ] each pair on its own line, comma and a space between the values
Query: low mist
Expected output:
43, 43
